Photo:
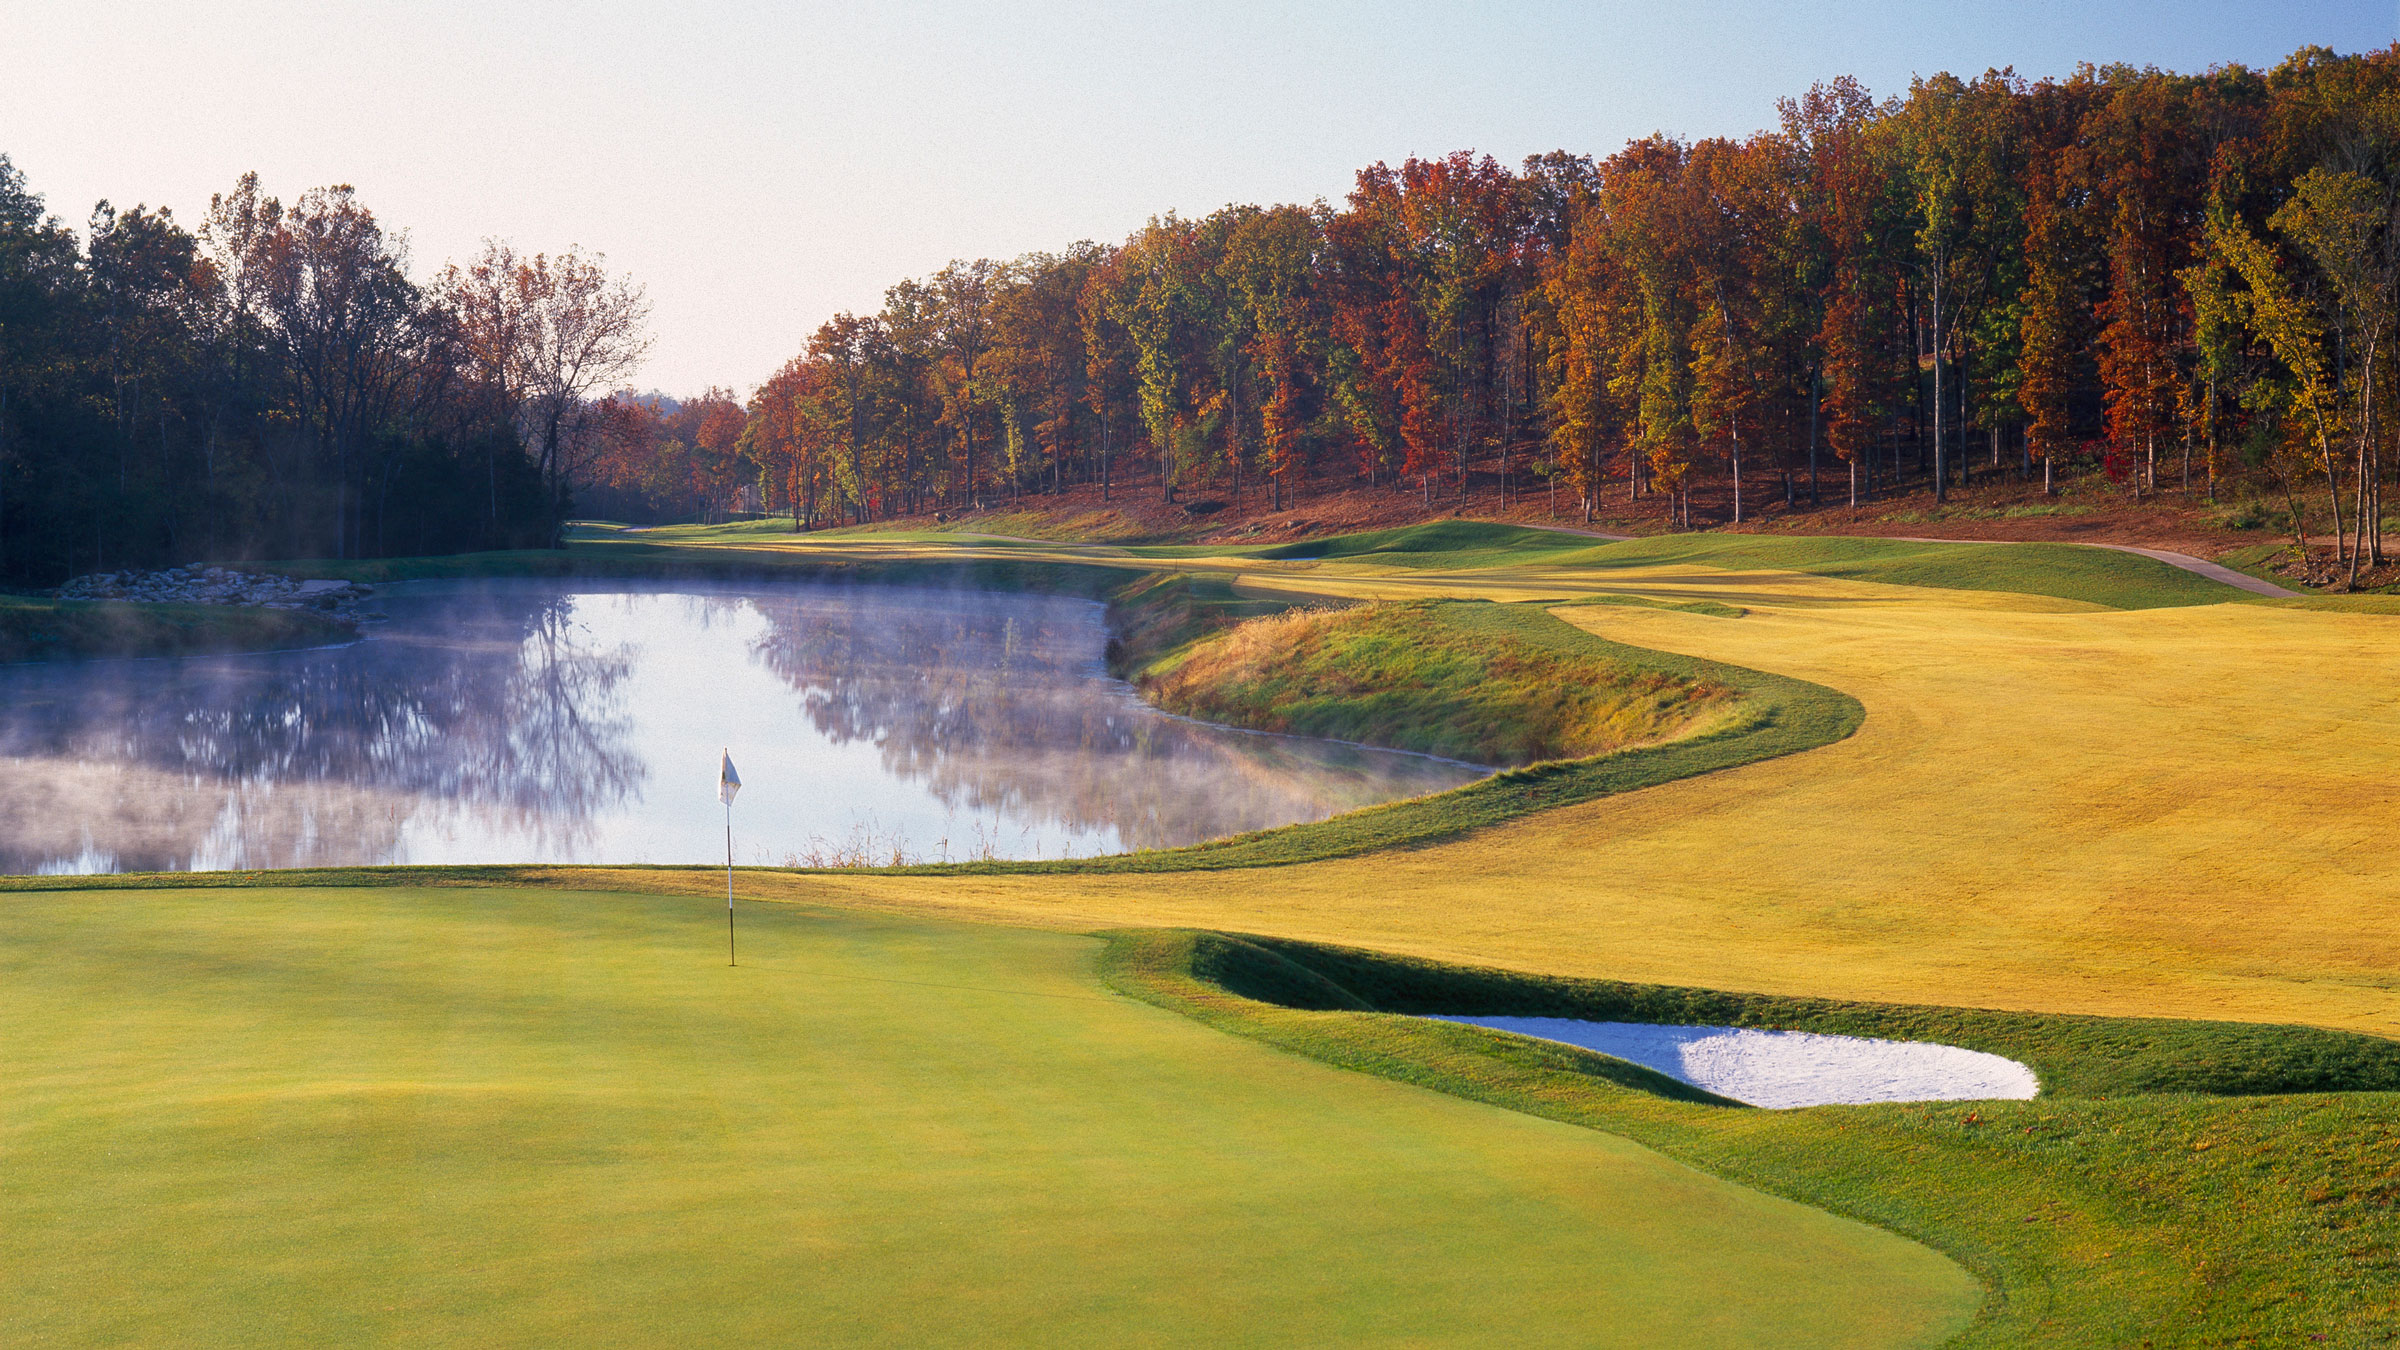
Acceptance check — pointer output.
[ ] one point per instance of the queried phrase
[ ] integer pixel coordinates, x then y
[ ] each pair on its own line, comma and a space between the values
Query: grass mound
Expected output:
1763, 716
1468, 680
2166, 1219
44, 630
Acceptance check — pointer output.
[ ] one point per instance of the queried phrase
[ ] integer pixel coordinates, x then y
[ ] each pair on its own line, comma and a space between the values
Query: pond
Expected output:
558, 721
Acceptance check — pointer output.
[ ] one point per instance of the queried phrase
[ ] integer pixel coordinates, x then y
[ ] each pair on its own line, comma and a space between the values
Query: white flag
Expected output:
728, 782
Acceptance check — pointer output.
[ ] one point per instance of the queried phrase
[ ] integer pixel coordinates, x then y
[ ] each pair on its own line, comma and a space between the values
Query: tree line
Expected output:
2177, 278
275, 383
2184, 280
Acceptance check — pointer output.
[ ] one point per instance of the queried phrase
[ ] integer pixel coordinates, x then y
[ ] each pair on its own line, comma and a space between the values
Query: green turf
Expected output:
42, 630
2101, 1215
2065, 571
545, 1118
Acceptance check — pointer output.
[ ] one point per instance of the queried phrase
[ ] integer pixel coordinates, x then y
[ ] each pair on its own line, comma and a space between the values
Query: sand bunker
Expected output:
1789, 1068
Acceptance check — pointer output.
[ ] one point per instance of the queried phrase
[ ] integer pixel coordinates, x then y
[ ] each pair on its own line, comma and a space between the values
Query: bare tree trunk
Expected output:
2366, 435
1737, 477
1941, 468
2333, 494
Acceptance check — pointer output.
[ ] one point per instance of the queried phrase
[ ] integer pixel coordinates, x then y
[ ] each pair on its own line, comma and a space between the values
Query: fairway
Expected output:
515, 1118
2051, 806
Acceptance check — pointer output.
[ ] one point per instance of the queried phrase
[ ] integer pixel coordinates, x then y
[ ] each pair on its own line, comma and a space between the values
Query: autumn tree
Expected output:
546, 335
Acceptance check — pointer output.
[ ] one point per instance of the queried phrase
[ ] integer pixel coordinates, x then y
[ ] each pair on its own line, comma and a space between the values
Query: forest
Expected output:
2190, 283
276, 384
2185, 281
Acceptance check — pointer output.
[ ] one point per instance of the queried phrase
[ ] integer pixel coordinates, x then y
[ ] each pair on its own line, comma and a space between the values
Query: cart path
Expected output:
2198, 566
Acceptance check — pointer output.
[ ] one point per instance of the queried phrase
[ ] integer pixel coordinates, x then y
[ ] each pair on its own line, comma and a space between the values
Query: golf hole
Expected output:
1784, 1069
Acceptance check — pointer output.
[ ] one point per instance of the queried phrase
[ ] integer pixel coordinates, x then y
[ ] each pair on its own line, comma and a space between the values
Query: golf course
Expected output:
2076, 808
1194, 676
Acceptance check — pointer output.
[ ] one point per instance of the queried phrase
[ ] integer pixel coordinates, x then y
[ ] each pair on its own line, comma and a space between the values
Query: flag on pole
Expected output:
728, 783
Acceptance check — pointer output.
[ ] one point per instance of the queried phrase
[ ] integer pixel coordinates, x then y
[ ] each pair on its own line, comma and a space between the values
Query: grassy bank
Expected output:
1165, 613
548, 1118
1750, 715
2118, 1208
1469, 680
47, 630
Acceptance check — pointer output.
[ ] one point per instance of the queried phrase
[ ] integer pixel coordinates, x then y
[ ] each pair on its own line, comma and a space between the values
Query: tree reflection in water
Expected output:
999, 706
484, 707
522, 720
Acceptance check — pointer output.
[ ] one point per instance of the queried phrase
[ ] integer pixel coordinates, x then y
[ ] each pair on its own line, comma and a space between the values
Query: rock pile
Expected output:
198, 585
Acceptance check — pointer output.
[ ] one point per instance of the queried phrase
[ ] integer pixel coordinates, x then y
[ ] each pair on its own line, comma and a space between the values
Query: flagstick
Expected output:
729, 885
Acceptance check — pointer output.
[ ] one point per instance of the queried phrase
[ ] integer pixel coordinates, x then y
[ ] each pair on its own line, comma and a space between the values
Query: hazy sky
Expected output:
759, 166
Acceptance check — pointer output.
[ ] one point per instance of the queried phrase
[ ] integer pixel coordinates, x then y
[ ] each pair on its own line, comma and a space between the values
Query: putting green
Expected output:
541, 1117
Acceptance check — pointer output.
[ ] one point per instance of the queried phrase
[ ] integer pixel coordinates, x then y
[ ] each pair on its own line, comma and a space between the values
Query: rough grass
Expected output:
45, 630
2094, 1219
1463, 680
1168, 611
501, 1118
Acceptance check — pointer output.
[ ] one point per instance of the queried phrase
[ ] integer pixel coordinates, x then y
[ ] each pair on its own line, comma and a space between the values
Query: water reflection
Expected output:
546, 721
490, 710
1004, 710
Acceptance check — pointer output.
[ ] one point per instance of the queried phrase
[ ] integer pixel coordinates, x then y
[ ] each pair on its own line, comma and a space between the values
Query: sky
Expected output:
758, 167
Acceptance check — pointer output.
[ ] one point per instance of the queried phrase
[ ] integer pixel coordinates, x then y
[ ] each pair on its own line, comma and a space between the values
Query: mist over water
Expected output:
549, 721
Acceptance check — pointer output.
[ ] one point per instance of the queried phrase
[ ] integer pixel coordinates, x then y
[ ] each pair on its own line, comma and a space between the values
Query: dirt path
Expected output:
2213, 571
